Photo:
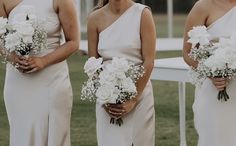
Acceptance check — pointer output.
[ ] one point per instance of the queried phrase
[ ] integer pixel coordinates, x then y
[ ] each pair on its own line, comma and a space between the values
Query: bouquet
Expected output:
111, 83
216, 57
23, 36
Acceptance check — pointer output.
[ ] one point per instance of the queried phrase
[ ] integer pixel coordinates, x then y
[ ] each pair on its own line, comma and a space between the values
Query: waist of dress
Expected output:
134, 61
50, 48
49, 74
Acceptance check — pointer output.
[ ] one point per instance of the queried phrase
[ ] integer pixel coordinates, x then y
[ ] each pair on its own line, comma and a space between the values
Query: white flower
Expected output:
199, 35
3, 24
12, 40
26, 30
107, 94
120, 64
218, 60
128, 85
105, 76
92, 65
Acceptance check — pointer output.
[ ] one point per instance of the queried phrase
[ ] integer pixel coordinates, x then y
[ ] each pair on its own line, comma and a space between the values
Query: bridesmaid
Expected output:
214, 120
123, 28
38, 97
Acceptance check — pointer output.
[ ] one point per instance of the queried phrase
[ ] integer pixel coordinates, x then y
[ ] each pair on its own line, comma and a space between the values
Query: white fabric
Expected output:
215, 120
122, 39
39, 104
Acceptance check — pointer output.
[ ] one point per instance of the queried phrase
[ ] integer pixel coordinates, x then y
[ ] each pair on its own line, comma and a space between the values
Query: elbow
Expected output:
148, 65
190, 62
185, 57
75, 46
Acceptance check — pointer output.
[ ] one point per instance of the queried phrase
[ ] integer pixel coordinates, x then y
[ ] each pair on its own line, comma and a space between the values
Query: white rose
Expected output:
199, 35
107, 94
26, 30
12, 40
92, 65
3, 24
105, 76
128, 85
120, 64
230, 59
218, 60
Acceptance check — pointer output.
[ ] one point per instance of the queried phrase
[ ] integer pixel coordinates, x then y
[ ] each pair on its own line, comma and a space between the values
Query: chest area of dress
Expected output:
44, 14
119, 37
224, 26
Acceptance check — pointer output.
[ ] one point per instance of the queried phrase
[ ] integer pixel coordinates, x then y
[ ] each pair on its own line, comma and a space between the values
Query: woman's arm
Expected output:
68, 18
197, 16
148, 41
92, 35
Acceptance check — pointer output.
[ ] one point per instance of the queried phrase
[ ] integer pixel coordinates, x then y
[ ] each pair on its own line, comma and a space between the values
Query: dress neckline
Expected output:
220, 18
117, 20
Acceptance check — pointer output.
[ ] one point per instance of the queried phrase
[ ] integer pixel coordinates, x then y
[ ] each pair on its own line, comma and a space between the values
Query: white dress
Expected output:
215, 121
39, 104
122, 39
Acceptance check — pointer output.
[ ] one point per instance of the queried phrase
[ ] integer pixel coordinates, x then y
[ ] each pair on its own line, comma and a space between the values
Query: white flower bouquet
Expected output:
24, 36
111, 83
216, 57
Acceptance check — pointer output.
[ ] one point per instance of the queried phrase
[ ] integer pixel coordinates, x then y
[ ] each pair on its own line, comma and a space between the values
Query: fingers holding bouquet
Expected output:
220, 83
27, 64
120, 110
114, 111
35, 64
19, 62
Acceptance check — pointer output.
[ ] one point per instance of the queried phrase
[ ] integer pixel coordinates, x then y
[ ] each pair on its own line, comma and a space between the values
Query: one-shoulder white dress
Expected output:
39, 104
122, 39
215, 121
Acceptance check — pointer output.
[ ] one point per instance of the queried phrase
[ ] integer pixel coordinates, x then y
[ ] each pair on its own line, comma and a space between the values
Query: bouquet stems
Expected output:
117, 121
223, 95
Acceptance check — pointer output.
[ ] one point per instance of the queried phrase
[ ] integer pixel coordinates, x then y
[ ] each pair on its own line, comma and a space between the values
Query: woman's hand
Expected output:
35, 64
220, 83
120, 110
20, 62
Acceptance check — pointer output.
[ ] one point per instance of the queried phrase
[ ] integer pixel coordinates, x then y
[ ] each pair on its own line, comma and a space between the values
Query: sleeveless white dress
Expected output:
39, 104
215, 121
122, 39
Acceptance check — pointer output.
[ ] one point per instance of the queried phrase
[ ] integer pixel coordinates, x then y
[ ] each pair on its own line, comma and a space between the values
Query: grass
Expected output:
83, 114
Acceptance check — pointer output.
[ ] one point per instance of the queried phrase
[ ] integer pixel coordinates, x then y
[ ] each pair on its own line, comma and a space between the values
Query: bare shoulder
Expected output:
96, 15
96, 19
147, 16
147, 12
63, 4
201, 7
199, 13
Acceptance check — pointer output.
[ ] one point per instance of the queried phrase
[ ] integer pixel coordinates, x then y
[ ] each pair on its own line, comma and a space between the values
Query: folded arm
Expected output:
67, 15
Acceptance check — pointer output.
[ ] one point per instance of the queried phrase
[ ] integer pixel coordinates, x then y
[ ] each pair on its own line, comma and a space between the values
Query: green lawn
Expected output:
83, 115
